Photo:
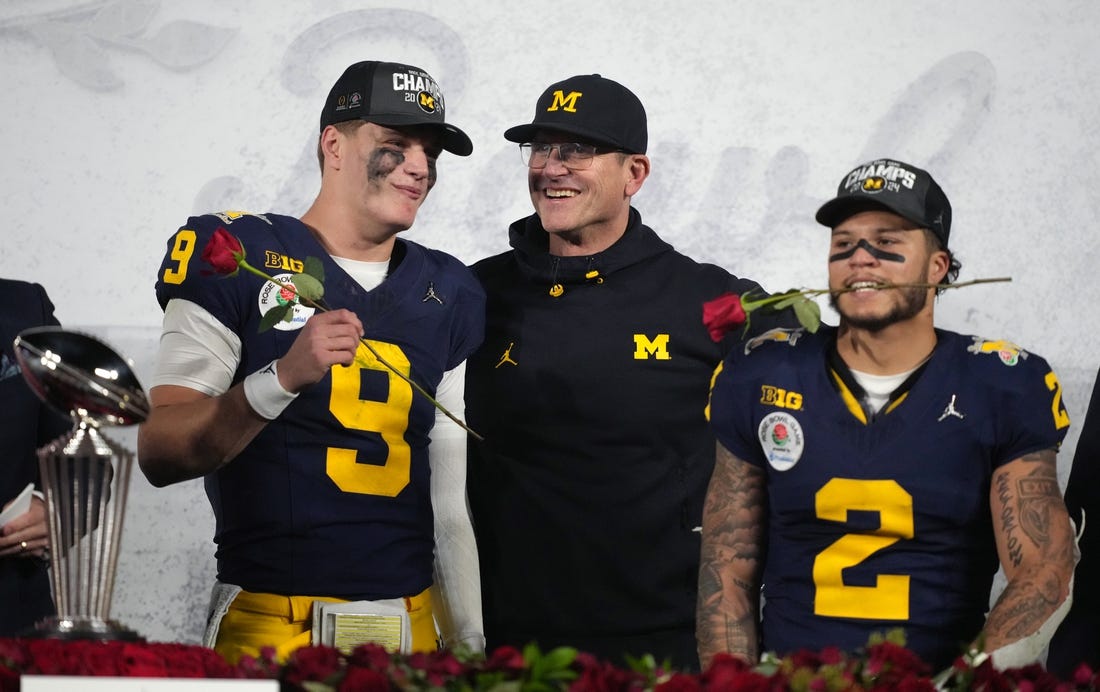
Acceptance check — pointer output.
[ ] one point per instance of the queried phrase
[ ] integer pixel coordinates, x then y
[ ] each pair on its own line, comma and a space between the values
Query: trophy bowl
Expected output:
79, 375
85, 475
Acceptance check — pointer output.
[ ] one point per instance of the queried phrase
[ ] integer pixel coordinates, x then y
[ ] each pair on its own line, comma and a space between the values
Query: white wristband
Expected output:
264, 393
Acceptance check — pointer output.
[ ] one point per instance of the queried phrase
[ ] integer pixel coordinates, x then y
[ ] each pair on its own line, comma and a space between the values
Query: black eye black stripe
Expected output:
875, 252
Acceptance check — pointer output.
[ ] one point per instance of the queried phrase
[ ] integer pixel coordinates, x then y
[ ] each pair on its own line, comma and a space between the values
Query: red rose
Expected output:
364, 680
370, 655
223, 252
728, 672
443, 665
506, 659
597, 675
891, 663
1082, 675
313, 663
141, 661
723, 314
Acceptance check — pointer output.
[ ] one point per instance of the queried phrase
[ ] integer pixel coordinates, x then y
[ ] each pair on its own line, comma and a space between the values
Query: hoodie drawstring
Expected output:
590, 274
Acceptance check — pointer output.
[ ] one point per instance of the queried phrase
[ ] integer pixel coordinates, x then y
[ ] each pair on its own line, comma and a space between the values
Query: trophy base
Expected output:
81, 627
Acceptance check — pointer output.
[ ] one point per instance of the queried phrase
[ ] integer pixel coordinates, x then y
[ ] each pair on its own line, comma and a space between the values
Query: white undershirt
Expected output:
878, 388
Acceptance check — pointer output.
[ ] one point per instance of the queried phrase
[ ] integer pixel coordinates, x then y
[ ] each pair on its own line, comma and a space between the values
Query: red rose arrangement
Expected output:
884, 664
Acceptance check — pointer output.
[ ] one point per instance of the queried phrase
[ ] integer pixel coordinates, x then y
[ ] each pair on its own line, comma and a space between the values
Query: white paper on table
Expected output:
19, 506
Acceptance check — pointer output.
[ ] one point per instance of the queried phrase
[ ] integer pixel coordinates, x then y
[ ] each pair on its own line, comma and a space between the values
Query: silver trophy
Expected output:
85, 475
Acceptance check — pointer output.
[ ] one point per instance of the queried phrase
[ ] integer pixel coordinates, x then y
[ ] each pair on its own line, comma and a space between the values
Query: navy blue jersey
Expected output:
883, 522
332, 497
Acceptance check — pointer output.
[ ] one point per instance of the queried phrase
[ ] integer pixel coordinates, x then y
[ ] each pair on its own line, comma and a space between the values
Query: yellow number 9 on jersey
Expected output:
182, 249
389, 418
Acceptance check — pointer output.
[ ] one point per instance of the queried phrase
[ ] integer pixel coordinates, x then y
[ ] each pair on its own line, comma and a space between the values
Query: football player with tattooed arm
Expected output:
332, 480
872, 476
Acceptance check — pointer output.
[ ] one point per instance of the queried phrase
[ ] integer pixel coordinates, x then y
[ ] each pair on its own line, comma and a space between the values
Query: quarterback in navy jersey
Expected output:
331, 478
873, 476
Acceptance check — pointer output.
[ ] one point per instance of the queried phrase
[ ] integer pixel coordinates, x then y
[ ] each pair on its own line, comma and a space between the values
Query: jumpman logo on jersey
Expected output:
270, 369
431, 295
951, 411
507, 357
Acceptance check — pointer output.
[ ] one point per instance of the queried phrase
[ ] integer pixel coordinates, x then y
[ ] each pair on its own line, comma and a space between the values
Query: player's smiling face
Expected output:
873, 248
393, 170
591, 201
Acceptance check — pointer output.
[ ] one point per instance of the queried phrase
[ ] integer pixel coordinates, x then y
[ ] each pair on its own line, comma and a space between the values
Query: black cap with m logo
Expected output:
596, 109
894, 186
395, 95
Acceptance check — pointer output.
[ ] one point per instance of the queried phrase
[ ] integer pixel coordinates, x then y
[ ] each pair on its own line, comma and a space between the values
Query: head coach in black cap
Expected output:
591, 384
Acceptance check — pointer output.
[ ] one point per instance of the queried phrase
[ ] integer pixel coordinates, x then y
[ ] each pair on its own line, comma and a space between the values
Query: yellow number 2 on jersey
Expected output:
1061, 417
888, 599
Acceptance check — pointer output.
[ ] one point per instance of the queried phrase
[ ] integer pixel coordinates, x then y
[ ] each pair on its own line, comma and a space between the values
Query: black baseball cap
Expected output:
894, 186
598, 109
394, 95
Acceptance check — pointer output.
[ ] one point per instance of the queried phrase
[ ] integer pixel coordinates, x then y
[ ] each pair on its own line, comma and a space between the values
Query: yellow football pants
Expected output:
258, 620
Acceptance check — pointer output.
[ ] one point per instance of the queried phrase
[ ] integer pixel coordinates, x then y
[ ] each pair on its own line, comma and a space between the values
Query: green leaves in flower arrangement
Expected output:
653, 673
548, 671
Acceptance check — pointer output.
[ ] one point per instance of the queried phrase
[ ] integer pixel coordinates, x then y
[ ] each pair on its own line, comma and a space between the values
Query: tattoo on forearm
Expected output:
1022, 608
1008, 520
734, 515
1036, 534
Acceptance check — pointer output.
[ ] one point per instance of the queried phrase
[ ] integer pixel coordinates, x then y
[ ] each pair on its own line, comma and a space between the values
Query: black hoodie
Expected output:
588, 489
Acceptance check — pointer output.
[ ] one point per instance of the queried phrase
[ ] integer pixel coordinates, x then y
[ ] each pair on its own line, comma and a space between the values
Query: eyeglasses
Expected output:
573, 155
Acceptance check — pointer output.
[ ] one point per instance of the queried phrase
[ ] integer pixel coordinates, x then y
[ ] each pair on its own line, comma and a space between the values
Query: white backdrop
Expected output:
121, 118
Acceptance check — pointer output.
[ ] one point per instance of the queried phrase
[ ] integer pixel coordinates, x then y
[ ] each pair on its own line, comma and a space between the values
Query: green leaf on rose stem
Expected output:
808, 313
289, 316
314, 268
307, 287
781, 305
274, 316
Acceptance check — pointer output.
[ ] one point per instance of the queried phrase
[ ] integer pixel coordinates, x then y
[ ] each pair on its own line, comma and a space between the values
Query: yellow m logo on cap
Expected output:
427, 101
566, 103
